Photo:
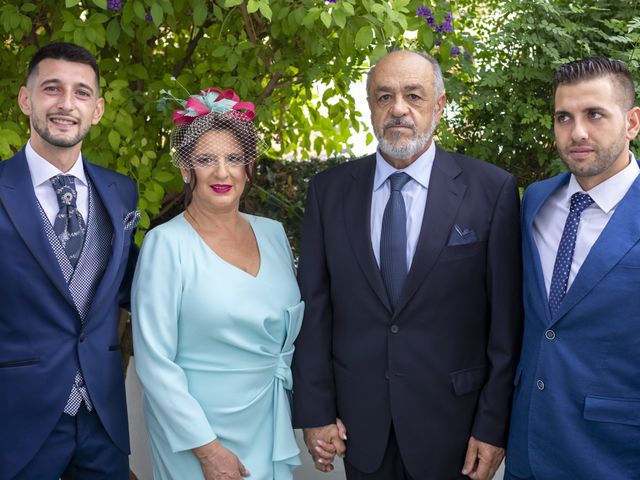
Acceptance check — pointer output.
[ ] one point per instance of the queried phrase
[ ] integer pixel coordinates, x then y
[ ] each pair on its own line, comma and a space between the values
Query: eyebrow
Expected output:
587, 109
407, 88
56, 81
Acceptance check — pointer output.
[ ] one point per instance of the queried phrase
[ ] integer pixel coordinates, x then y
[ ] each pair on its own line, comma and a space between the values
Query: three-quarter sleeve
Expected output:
156, 300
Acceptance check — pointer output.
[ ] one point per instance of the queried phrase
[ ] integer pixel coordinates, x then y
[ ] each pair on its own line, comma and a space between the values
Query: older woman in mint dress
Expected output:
216, 309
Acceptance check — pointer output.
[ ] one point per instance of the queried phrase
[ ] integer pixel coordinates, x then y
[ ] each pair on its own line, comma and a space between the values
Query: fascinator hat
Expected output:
211, 110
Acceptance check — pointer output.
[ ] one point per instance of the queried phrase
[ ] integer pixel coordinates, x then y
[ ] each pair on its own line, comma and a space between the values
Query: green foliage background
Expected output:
296, 60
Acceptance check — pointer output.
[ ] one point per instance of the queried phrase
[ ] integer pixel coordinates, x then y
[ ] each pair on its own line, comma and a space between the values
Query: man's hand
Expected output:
324, 443
482, 460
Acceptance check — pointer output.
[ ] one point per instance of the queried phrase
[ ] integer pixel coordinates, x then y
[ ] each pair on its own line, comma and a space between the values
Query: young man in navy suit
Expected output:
410, 273
67, 254
576, 409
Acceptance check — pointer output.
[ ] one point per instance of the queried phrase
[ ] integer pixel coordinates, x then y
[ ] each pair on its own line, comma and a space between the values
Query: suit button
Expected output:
386, 375
540, 385
550, 334
394, 329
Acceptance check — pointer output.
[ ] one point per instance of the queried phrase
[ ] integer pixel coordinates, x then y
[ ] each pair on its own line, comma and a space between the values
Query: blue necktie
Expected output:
393, 239
564, 257
68, 225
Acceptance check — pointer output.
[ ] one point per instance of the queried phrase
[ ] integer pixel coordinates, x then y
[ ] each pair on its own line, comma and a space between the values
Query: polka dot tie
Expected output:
393, 239
564, 257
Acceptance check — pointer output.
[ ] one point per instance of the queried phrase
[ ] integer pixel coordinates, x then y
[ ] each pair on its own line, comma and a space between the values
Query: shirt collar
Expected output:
419, 170
41, 170
610, 192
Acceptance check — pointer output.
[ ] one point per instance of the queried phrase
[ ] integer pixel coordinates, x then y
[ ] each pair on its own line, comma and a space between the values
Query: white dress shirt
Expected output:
41, 171
414, 194
550, 220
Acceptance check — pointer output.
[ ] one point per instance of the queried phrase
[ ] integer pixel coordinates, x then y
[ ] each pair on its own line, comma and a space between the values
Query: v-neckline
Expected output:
215, 254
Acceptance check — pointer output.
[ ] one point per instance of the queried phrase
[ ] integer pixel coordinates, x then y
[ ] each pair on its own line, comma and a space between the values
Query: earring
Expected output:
185, 179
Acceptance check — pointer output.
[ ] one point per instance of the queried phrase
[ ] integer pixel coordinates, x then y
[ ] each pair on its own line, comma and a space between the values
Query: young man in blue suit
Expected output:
67, 253
576, 409
410, 272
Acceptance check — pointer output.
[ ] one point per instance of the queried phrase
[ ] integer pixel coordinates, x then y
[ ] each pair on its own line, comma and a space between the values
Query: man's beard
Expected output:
412, 147
604, 158
47, 136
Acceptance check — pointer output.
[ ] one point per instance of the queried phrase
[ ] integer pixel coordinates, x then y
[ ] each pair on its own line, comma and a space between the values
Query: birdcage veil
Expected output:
213, 110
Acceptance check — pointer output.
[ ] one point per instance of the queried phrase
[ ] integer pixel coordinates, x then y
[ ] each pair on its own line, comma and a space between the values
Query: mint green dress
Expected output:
213, 348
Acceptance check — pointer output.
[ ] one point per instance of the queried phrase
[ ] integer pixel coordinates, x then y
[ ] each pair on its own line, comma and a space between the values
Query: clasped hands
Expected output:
324, 443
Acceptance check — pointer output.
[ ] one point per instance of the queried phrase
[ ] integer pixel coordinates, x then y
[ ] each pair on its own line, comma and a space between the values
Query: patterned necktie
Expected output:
564, 257
393, 239
68, 225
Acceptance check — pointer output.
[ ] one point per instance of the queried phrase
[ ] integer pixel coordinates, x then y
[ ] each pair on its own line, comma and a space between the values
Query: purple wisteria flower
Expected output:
330, 1
455, 51
148, 17
114, 4
427, 15
447, 25
423, 11
438, 41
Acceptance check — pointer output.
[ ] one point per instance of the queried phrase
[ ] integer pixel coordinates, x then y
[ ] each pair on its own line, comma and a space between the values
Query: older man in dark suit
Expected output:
410, 269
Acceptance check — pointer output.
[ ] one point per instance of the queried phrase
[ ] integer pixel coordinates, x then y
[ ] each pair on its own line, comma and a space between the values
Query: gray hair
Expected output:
438, 82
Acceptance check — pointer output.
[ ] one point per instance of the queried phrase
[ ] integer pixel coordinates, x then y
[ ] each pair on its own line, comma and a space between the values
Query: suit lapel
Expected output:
618, 237
444, 197
19, 200
107, 191
535, 199
357, 215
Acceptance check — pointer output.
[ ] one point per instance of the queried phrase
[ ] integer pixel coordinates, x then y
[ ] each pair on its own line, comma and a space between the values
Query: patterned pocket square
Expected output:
131, 220
461, 236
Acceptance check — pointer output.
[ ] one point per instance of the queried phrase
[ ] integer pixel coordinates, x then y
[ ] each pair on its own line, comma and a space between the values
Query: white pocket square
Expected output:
131, 220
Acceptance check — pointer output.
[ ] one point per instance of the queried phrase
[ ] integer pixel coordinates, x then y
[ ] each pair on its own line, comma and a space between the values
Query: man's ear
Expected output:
441, 103
633, 122
98, 112
24, 100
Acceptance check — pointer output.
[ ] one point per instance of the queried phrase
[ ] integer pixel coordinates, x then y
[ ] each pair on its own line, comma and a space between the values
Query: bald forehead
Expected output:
401, 70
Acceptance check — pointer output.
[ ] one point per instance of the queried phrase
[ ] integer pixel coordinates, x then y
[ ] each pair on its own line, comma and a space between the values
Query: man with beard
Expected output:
576, 410
410, 272
66, 227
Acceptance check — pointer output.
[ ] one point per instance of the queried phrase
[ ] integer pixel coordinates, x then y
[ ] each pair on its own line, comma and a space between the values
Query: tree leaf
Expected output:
113, 31
199, 12
139, 10
156, 14
114, 140
265, 10
364, 37
325, 17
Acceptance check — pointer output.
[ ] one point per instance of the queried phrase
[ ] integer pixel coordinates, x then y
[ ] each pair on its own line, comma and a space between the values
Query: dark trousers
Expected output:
392, 467
78, 448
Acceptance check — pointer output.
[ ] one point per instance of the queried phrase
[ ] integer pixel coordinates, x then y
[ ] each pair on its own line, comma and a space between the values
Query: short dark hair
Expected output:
595, 67
64, 51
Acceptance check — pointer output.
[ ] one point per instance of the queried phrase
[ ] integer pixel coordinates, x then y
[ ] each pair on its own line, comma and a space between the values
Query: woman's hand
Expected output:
219, 463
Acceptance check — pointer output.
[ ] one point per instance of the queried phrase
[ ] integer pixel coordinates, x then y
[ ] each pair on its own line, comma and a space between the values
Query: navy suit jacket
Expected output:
42, 342
441, 367
576, 411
